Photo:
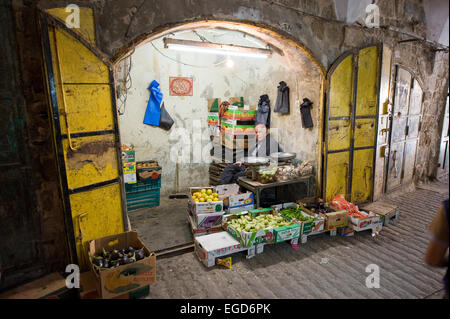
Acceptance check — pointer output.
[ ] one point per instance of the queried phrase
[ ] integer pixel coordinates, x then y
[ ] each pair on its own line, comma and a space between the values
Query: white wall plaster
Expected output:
249, 78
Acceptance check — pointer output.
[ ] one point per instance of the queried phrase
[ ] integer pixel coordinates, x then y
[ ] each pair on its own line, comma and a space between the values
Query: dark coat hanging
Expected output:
305, 110
263, 115
282, 103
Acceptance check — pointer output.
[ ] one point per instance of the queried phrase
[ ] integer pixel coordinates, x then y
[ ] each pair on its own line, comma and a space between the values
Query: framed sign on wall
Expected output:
181, 86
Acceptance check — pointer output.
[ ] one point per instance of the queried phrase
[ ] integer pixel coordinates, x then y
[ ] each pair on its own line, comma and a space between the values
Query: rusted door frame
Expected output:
391, 117
352, 117
46, 21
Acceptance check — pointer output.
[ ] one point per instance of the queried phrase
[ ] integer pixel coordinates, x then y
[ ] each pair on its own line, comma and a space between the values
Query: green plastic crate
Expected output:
143, 185
143, 199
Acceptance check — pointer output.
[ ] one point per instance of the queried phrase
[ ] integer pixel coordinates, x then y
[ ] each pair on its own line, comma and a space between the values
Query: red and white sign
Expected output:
179, 86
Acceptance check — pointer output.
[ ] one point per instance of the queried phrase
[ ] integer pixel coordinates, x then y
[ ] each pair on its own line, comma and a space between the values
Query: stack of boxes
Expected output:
142, 181
232, 131
206, 217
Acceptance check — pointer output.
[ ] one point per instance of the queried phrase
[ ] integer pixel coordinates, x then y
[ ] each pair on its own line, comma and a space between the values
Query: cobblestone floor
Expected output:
281, 272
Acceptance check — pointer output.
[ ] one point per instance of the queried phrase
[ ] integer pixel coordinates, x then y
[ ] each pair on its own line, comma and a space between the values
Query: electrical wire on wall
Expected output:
224, 61
124, 84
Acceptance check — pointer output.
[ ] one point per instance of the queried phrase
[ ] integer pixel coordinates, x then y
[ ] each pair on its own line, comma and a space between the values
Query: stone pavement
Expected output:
324, 267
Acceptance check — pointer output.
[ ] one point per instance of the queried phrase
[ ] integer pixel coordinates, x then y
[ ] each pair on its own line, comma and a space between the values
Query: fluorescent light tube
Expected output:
181, 47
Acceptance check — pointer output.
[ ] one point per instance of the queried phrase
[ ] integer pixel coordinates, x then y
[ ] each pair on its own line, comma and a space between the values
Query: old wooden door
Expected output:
351, 125
443, 152
21, 253
82, 99
405, 127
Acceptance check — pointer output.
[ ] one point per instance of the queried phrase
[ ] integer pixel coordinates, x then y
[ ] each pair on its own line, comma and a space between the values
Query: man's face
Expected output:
261, 132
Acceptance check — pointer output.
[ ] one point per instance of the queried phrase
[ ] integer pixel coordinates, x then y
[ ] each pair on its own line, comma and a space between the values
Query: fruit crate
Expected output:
143, 199
144, 185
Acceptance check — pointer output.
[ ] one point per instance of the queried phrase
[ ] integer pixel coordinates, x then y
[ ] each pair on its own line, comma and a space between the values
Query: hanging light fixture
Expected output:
216, 48
229, 63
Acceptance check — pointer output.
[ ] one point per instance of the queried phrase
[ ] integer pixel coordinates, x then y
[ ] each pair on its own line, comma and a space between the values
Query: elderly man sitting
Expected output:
262, 147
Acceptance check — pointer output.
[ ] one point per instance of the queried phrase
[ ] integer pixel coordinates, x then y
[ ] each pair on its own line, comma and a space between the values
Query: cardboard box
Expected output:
312, 227
363, 220
153, 173
213, 119
208, 220
129, 173
236, 101
200, 231
235, 129
285, 233
239, 209
128, 157
267, 235
214, 104
209, 247
388, 213
89, 289
114, 282
240, 115
233, 199
336, 219
346, 231
205, 207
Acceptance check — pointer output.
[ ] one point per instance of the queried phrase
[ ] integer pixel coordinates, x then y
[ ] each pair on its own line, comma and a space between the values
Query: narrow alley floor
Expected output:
324, 267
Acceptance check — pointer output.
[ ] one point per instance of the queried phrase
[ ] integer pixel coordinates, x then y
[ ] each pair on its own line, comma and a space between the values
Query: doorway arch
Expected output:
91, 146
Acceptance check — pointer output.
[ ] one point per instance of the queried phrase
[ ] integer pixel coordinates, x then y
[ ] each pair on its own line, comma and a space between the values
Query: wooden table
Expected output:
257, 187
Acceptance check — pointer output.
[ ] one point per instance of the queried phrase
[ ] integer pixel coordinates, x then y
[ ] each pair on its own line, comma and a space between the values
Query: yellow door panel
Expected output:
362, 175
96, 213
337, 174
88, 108
86, 29
339, 133
365, 132
352, 124
367, 88
82, 97
93, 161
80, 65
341, 89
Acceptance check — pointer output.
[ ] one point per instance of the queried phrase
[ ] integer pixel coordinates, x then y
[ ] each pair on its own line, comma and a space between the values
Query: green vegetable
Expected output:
295, 213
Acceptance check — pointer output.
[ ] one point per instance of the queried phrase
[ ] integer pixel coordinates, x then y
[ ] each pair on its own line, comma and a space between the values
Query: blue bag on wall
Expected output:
153, 112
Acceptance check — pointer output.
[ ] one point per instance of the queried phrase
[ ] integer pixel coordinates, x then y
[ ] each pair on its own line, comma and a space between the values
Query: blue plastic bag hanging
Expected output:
153, 112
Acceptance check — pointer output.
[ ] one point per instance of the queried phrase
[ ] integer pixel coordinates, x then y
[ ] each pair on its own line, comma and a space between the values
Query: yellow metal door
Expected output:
82, 99
351, 125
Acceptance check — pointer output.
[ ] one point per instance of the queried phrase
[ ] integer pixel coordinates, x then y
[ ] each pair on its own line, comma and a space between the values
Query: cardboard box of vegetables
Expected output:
121, 264
309, 222
260, 226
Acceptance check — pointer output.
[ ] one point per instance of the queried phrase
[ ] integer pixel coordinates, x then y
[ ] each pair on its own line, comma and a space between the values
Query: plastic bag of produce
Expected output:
339, 202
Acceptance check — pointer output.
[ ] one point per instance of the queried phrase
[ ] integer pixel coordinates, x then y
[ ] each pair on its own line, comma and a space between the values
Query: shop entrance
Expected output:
210, 80
86, 119
407, 110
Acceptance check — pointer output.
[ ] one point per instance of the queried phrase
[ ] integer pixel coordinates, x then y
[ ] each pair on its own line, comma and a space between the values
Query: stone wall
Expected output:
40, 137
